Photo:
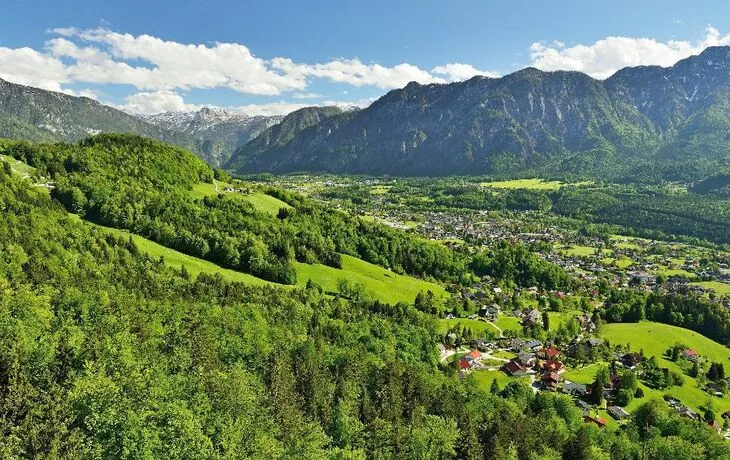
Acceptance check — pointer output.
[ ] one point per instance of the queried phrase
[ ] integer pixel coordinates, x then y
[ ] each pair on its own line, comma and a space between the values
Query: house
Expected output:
466, 364
690, 354
474, 354
594, 342
600, 421
552, 366
575, 389
617, 412
481, 344
583, 405
687, 413
551, 380
550, 353
515, 369
516, 344
526, 359
533, 345
532, 317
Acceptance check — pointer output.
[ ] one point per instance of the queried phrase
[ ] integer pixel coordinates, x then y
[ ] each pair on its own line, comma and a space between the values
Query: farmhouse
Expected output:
515, 369
690, 354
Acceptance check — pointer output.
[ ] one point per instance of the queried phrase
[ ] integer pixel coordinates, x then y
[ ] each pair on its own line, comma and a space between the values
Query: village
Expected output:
621, 375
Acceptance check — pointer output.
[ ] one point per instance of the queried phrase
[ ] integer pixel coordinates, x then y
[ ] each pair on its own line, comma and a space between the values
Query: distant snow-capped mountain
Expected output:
219, 131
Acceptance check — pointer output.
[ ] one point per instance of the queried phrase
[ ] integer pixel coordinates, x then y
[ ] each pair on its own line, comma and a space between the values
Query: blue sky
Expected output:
271, 57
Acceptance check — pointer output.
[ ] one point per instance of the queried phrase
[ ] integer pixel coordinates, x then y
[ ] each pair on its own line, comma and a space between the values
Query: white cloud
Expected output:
354, 72
459, 72
604, 57
306, 95
156, 102
30, 67
153, 65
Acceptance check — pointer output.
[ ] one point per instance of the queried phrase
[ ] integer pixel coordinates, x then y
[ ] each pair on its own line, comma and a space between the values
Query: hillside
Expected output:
529, 120
35, 114
156, 190
280, 134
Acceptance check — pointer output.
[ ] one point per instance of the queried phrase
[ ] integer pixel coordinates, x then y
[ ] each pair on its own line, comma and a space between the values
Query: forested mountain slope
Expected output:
529, 119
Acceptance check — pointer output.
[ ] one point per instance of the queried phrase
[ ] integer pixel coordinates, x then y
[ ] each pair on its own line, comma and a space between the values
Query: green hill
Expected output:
655, 338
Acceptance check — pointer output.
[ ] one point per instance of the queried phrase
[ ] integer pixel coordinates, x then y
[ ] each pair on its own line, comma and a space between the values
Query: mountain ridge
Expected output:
527, 119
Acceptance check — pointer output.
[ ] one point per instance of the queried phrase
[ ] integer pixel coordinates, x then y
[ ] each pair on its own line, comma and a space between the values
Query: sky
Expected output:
271, 57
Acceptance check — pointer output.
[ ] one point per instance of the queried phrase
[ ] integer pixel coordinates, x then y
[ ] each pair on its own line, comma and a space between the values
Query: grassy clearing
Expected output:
380, 283
584, 375
484, 378
177, 259
379, 189
623, 262
261, 201
531, 184
478, 327
717, 286
665, 271
655, 339
265, 203
508, 322
579, 251
17, 165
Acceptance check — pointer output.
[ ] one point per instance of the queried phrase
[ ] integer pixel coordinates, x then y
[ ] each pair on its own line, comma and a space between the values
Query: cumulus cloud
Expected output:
356, 73
30, 67
156, 102
458, 71
604, 57
157, 67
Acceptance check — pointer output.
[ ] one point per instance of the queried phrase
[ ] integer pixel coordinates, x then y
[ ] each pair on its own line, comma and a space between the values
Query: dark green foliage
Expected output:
515, 265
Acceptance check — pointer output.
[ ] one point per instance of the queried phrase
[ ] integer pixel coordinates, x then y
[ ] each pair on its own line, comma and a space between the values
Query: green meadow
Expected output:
378, 282
655, 339
260, 201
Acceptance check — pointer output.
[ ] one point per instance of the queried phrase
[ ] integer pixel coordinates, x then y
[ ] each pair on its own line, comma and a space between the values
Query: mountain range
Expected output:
218, 132
39, 115
525, 120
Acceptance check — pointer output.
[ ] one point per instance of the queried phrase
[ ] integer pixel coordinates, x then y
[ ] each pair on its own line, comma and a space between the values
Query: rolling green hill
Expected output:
654, 339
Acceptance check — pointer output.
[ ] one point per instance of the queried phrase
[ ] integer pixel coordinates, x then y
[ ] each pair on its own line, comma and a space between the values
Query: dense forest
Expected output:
105, 353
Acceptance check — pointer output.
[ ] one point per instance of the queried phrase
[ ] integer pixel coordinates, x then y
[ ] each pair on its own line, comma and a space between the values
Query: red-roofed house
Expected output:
551, 380
552, 366
600, 421
550, 353
690, 354
515, 369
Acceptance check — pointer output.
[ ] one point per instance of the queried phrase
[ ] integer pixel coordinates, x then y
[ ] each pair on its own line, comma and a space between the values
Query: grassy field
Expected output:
380, 283
720, 288
665, 271
508, 322
478, 327
261, 201
655, 339
532, 184
379, 189
18, 166
177, 259
484, 378
579, 251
